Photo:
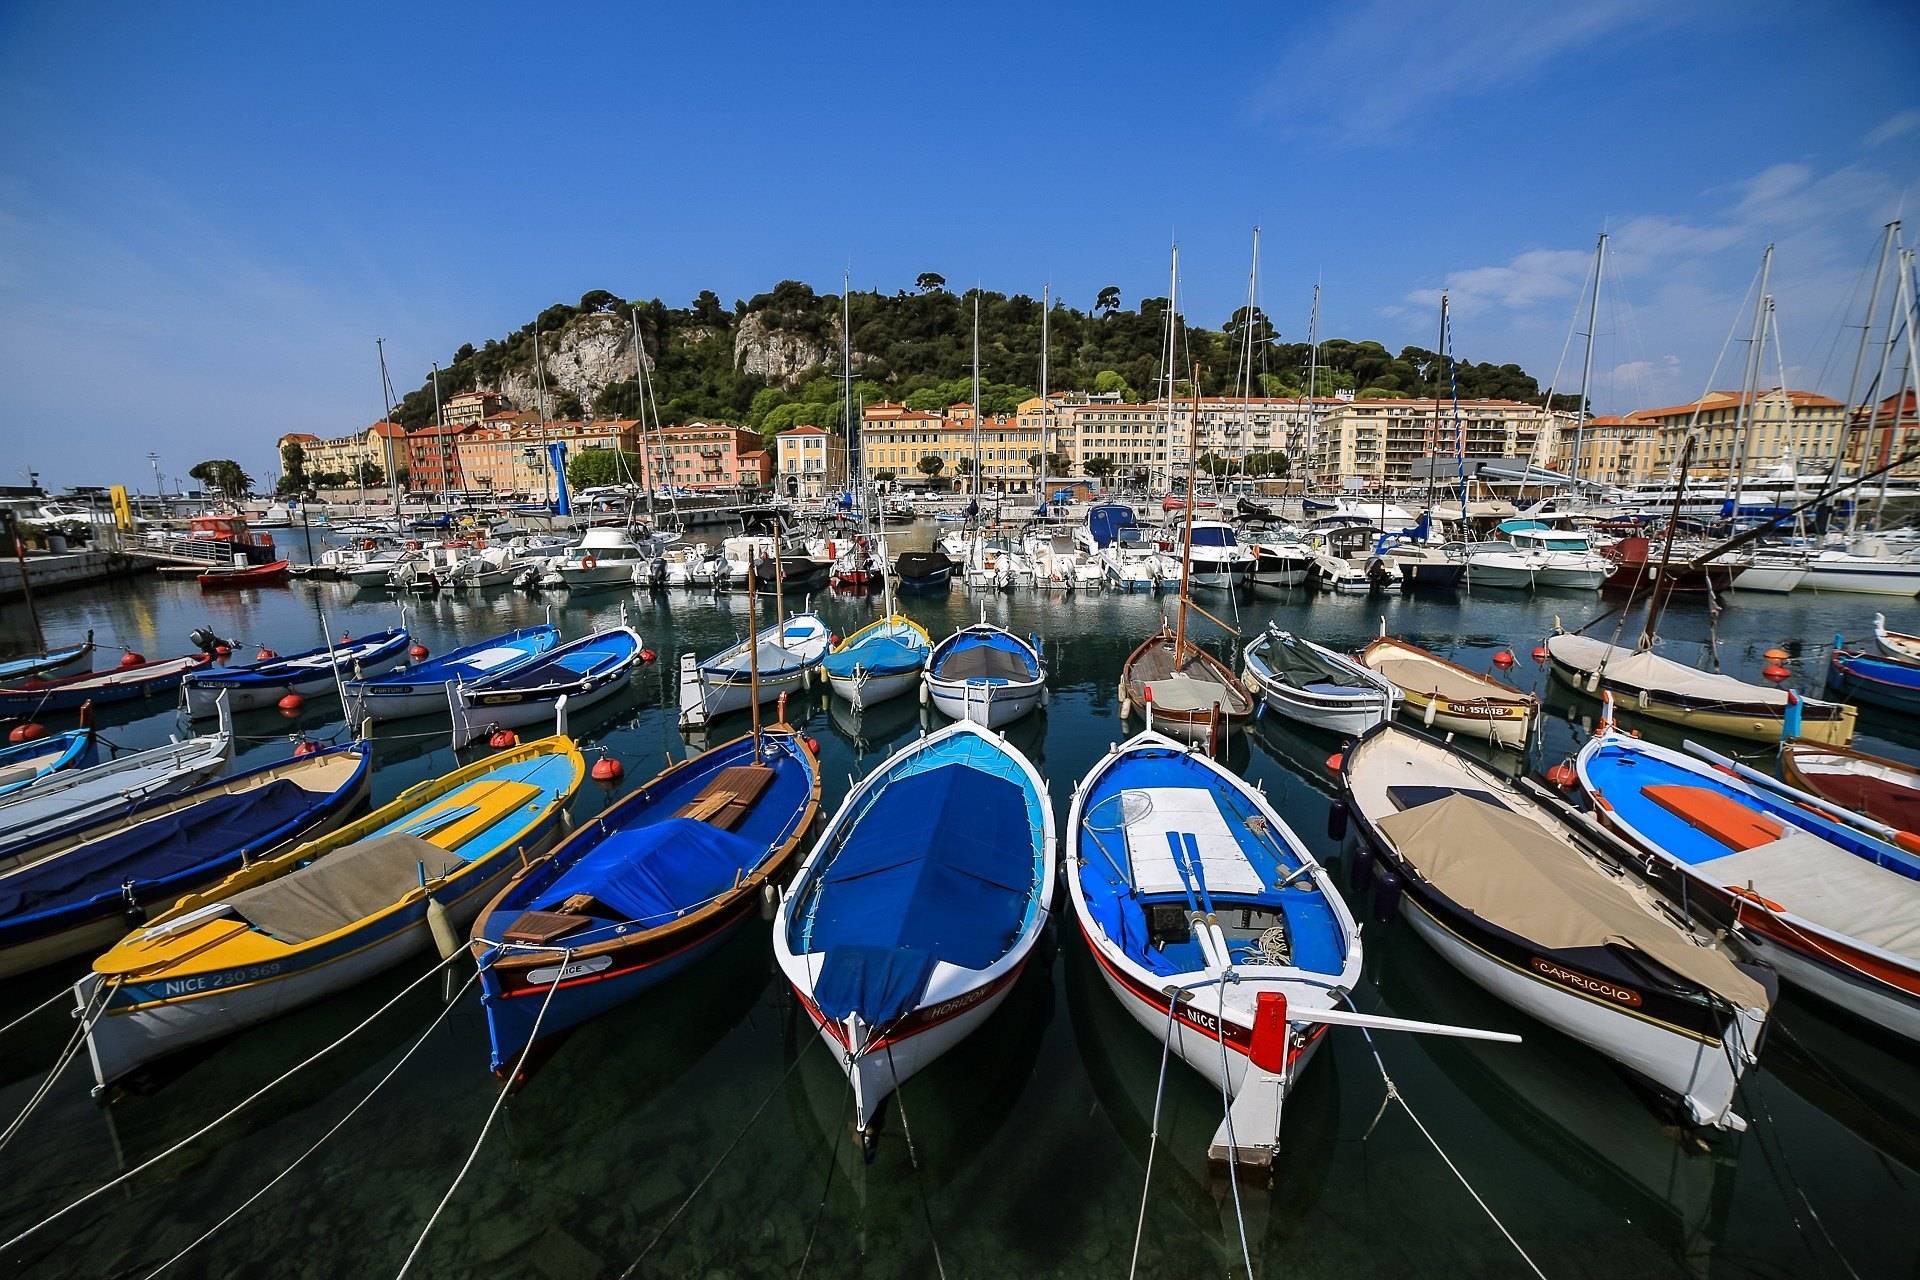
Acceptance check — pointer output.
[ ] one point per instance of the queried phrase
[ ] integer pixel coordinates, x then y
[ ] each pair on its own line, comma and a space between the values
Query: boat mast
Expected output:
1586, 368
1246, 380
1662, 583
1743, 428
1046, 405
646, 445
1166, 363
439, 432
1879, 383
1313, 369
753, 655
1186, 552
1888, 233
979, 537
1909, 376
1433, 436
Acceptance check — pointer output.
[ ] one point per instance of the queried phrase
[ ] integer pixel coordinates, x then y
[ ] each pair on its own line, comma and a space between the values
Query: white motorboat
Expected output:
603, 558
785, 653
1316, 686
1564, 558
1869, 568
1498, 564
1281, 563
1216, 561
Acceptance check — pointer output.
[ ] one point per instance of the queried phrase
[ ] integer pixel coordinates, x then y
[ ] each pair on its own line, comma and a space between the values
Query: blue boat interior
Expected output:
942, 861
1153, 927
461, 664
641, 863
879, 655
24, 763
589, 656
51, 660
984, 655
297, 665
1621, 774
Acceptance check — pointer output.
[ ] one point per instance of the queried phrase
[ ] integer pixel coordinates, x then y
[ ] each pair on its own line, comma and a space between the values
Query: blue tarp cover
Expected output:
202, 833
651, 874
879, 655
939, 867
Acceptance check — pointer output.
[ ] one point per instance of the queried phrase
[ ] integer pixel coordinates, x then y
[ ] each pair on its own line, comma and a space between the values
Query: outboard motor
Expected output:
206, 641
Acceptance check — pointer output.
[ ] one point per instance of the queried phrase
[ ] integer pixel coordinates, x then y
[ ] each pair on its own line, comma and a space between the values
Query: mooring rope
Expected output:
232, 1111
50, 1001
1153, 1132
84, 1020
506, 1087
826, 1189
339, 1124
926, 1209
1233, 1144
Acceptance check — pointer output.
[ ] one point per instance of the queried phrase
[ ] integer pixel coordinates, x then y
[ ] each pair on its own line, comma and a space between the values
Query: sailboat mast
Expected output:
1743, 427
1663, 580
386, 411
1313, 370
1586, 368
440, 439
1166, 363
646, 446
976, 395
1186, 551
1433, 437
1888, 233
1877, 388
1046, 405
1246, 380
753, 654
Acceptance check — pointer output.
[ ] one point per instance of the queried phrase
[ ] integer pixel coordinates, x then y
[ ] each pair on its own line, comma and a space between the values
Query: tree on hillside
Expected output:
1107, 381
1109, 300
371, 474
929, 282
223, 475
931, 465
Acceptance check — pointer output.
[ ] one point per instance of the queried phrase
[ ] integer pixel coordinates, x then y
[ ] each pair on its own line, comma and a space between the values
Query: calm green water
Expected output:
1030, 1140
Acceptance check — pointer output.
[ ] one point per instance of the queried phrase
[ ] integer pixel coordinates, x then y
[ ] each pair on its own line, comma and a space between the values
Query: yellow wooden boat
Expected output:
1454, 699
331, 913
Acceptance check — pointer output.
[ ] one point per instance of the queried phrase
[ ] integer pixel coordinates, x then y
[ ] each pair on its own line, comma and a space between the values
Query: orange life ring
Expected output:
589, 561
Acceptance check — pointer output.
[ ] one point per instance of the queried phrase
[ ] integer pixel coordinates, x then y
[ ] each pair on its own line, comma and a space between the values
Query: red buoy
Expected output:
607, 769
1774, 671
813, 745
1336, 762
503, 738
27, 731
418, 653
1777, 655
647, 656
291, 702
132, 659
833, 641
1562, 776
1539, 653
265, 655
305, 747
1503, 659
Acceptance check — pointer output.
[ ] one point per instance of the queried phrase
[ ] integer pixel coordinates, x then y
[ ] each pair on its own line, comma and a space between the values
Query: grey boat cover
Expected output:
341, 888
984, 662
1656, 674
1521, 877
1831, 887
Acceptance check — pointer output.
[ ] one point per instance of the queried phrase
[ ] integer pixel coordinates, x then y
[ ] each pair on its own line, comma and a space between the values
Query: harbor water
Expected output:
703, 1130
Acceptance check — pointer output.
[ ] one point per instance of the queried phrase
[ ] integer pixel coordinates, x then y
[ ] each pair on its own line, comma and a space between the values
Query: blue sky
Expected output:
207, 216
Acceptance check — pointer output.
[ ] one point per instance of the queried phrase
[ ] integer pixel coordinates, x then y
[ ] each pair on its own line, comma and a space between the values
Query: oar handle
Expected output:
1380, 1022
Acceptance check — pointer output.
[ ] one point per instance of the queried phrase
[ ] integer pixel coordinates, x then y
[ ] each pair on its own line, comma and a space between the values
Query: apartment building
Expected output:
507, 454
1614, 450
433, 458
709, 455
1360, 440
1797, 428
384, 444
896, 439
471, 407
809, 462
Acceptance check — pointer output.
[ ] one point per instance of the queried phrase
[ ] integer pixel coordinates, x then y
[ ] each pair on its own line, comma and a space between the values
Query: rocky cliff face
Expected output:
781, 356
590, 353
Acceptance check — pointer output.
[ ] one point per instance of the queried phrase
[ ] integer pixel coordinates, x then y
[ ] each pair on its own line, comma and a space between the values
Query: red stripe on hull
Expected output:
921, 1020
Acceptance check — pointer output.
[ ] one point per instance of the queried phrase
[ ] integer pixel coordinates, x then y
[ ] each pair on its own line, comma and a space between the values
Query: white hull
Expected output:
203, 699
1702, 1075
1862, 577
389, 704
876, 1076
472, 717
1860, 994
1346, 716
607, 573
717, 698
1772, 579
992, 705
1507, 577
1570, 579
862, 691
123, 1040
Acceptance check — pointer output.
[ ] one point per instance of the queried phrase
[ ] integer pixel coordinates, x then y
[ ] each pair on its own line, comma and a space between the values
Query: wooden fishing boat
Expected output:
251, 575
128, 682
314, 673
919, 907
328, 914
1892, 683
1835, 910
881, 660
1871, 786
1662, 689
1194, 695
786, 654
81, 797
645, 889
425, 687
32, 665
72, 892
1543, 910
1312, 684
1215, 928
1637, 569
28, 764
584, 672
1454, 699
1894, 644
986, 674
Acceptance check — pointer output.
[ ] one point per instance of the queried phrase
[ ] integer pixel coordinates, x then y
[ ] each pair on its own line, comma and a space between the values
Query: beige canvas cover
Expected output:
1831, 887
342, 887
1415, 673
1525, 878
1656, 674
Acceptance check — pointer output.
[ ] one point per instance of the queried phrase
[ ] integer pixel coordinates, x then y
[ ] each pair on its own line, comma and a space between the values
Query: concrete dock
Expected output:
60, 572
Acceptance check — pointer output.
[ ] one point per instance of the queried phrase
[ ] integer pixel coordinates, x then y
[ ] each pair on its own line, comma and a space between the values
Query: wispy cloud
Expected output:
1896, 126
1362, 74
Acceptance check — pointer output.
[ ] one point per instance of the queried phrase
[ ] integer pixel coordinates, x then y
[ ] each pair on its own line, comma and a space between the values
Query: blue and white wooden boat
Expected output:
82, 797
1893, 683
644, 889
424, 688
314, 673
1311, 683
1833, 908
27, 764
32, 665
134, 679
1185, 880
880, 661
788, 652
584, 672
71, 893
986, 674
919, 907
328, 914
